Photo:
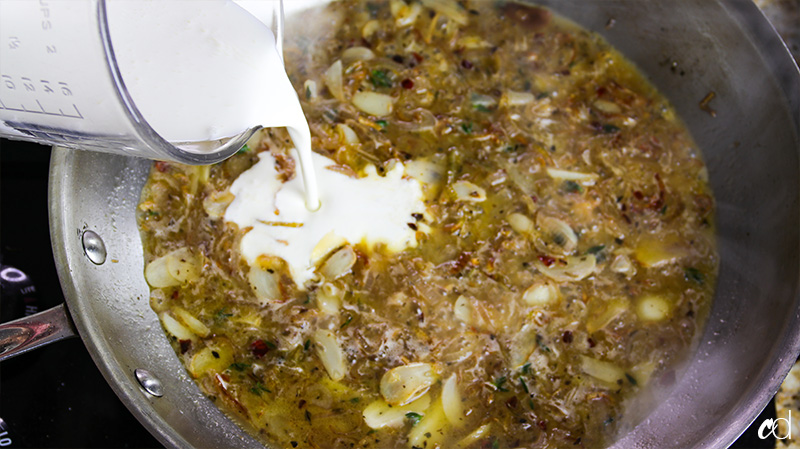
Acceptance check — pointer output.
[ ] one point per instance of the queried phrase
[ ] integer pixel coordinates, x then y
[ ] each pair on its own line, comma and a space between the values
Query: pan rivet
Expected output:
93, 247
149, 382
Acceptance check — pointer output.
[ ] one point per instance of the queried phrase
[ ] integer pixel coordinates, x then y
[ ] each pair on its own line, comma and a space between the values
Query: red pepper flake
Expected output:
185, 345
542, 424
591, 342
412, 226
535, 198
417, 56
547, 260
407, 84
638, 195
567, 337
466, 64
512, 402
174, 294
259, 348
161, 166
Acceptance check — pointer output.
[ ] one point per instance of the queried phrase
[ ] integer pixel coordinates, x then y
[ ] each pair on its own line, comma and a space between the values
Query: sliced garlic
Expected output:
467, 191
521, 224
329, 299
429, 431
557, 234
462, 310
587, 179
330, 353
451, 401
353, 54
405, 383
339, 263
333, 79
541, 294
191, 322
379, 414
653, 308
373, 103
573, 268
216, 357
605, 371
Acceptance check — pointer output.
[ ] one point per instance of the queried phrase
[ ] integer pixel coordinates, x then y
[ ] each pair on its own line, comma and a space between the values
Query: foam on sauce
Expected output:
372, 210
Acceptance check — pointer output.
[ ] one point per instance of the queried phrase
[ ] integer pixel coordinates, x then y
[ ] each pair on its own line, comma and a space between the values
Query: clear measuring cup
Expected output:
61, 84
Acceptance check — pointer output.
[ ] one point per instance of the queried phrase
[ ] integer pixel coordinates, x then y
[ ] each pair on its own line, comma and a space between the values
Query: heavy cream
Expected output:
206, 71
370, 210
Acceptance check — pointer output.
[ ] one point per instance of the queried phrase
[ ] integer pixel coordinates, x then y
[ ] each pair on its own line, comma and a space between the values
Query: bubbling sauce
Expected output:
530, 246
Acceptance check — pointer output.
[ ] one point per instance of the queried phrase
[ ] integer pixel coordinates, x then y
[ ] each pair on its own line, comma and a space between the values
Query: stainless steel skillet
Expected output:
688, 48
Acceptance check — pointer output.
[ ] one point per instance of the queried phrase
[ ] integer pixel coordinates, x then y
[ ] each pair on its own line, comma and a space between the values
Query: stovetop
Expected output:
55, 397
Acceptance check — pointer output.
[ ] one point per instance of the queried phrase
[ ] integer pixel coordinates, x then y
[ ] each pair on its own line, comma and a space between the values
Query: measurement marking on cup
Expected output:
60, 113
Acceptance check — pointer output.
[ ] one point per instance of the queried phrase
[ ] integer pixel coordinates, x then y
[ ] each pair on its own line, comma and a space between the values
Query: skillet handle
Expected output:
30, 332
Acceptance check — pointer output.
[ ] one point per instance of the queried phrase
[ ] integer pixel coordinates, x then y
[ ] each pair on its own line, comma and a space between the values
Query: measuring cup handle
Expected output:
30, 332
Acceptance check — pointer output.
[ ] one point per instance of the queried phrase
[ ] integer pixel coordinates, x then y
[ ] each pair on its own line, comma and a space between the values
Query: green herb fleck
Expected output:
380, 78
542, 95
347, 321
498, 384
514, 149
239, 366
308, 93
413, 417
244, 149
572, 187
631, 379
595, 249
308, 416
152, 213
664, 210
610, 129
270, 344
540, 342
694, 275
307, 345
259, 388
355, 400
530, 404
481, 108
382, 123
222, 314
524, 385
526, 368
466, 127
495, 443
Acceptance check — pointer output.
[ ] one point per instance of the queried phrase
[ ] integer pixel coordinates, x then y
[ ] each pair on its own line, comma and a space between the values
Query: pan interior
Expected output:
688, 48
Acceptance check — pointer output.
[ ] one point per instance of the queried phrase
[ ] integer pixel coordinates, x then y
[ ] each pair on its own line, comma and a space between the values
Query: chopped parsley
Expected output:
222, 314
259, 388
347, 321
380, 78
526, 368
306, 345
595, 249
466, 127
631, 379
244, 149
239, 366
540, 342
524, 385
481, 108
499, 382
382, 123
413, 417
610, 129
694, 275
572, 187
